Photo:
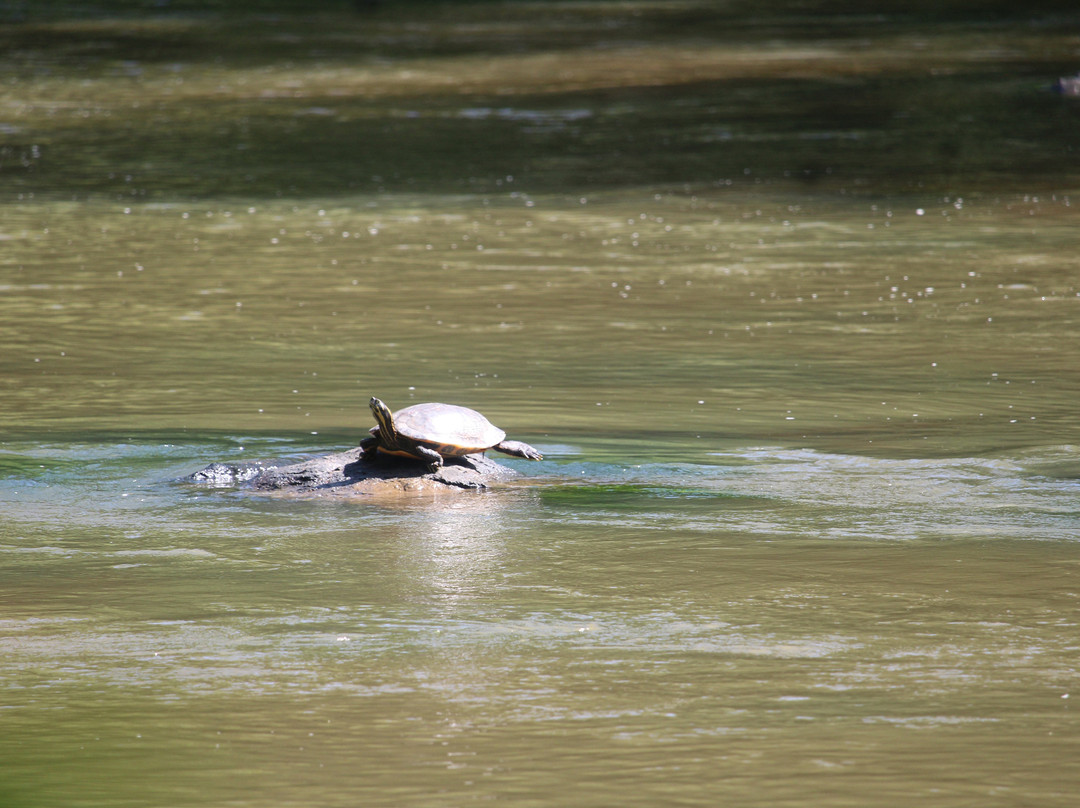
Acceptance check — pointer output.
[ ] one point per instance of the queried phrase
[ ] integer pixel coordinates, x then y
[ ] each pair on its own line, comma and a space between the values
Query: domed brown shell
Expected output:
447, 428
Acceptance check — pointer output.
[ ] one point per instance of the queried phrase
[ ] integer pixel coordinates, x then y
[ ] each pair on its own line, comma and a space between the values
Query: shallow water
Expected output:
806, 528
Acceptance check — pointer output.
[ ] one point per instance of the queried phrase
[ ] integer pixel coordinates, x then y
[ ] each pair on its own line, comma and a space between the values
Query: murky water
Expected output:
806, 531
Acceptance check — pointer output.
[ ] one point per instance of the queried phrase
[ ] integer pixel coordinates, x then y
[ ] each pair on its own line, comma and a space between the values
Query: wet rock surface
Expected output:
346, 475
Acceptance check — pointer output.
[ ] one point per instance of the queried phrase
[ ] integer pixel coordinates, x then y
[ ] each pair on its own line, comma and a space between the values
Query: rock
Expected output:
223, 475
346, 475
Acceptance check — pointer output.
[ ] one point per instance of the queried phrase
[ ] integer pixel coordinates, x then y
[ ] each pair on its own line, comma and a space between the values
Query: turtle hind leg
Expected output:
430, 456
518, 449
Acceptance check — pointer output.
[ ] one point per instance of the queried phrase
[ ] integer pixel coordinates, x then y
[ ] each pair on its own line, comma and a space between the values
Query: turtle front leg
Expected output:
430, 456
518, 449
370, 447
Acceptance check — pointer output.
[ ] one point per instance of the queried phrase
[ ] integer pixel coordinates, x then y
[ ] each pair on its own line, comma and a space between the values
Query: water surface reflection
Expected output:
791, 307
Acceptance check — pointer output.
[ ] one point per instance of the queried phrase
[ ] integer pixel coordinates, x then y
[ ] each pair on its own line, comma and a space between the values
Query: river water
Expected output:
802, 361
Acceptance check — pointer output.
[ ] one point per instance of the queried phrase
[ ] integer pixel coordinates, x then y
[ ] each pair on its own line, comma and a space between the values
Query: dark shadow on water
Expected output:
993, 124
635, 497
879, 134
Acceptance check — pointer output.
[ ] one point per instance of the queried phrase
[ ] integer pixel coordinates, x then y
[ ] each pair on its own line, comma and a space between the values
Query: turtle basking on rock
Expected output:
431, 432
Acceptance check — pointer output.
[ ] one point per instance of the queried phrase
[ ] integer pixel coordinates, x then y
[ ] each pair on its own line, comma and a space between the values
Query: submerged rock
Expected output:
222, 475
1068, 86
346, 475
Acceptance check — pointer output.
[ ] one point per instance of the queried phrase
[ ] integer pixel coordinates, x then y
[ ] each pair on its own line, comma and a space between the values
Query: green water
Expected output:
792, 309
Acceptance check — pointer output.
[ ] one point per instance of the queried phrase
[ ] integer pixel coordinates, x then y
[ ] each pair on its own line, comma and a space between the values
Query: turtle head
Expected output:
387, 433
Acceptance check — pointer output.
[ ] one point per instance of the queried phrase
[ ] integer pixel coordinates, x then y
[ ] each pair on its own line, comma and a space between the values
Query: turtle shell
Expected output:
448, 429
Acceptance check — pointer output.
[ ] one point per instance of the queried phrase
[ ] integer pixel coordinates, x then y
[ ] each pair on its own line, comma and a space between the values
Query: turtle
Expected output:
430, 432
